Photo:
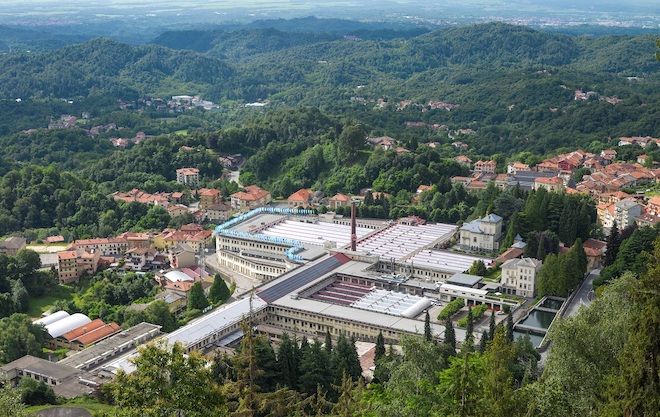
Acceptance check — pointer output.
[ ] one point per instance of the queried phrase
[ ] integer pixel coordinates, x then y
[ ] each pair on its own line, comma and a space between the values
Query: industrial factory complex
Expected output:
318, 273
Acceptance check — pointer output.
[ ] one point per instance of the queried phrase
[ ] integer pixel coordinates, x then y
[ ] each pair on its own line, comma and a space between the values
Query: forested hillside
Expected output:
511, 88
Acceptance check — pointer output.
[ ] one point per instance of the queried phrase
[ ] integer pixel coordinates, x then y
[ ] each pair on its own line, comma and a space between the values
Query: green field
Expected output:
40, 305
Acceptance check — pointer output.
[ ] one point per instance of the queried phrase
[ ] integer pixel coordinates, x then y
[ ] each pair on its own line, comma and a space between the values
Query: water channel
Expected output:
552, 303
536, 339
540, 319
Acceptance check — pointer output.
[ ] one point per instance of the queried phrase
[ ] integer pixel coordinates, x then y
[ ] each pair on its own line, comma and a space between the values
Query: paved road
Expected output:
584, 295
243, 283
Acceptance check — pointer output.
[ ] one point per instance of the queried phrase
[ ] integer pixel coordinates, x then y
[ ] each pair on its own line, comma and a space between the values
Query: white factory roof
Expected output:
67, 324
458, 289
52, 318
445, 260
399, 241
315, 233
396, 303
215, 321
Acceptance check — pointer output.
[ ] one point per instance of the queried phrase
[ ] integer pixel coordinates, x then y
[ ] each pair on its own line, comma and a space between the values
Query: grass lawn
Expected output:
42, 304
183, 132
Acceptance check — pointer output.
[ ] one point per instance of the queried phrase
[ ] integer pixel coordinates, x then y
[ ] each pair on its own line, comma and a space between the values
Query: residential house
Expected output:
653, 206
423, 188
187, 176
547, 166
463, 160
383, 142
176, 197
181, 256
209, 197
301, 198
519, 276
486, 167
608, 155
605, 214
54, 239
12, 245
552, 184
192, 234
515, 167
143, 259
595, 250
339, 200
138, 196
625, 212
251, 198
177, 210
612, 198
218, 212
72, 264
647, 220
113, 246
482, 235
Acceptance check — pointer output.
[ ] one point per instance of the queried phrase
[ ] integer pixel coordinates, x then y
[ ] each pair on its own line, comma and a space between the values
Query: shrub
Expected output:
477, 313
451, 309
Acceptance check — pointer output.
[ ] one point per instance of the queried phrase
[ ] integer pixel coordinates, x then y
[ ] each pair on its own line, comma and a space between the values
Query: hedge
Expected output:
451, 309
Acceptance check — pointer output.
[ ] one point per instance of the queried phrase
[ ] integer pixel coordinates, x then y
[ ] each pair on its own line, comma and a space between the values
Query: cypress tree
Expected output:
379, 353
511, 233
509, 328
483, 341
428, 335
328, 342
450, 335
468, 344
541, 252
613, 244
491, 325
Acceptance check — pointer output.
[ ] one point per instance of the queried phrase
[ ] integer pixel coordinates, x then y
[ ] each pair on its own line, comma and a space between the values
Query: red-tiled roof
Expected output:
301, 195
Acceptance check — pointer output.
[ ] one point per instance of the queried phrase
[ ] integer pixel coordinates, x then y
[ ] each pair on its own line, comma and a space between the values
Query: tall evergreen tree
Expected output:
270, 376
468, 344
483, 342
379, 351
450, 336
613, 244
328, 342
428, 335
196, 298
491, 325
219, 292
568, 222
315, 369
509, 328
288, 360
345, 359
511, 232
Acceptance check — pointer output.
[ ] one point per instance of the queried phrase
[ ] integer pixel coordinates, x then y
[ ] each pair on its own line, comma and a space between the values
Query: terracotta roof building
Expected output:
251, 198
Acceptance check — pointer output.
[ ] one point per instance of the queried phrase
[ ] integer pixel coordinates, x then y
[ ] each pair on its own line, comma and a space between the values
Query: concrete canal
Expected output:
537, 322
